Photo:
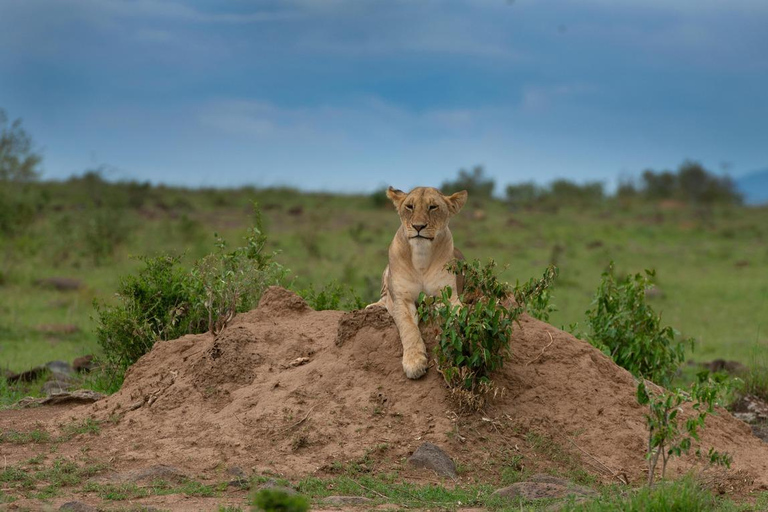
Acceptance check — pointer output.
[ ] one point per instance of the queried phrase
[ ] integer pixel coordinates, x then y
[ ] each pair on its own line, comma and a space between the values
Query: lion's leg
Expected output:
414, 351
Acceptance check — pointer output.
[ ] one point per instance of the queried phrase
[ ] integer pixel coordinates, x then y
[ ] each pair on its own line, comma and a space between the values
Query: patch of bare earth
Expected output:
287, 390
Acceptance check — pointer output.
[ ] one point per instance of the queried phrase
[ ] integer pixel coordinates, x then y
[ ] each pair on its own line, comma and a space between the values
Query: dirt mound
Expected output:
294, 391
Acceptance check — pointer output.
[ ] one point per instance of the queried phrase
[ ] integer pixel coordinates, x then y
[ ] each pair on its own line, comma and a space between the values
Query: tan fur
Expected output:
418, 256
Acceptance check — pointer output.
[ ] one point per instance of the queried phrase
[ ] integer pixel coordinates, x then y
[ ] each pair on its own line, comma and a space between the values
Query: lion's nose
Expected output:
419, 227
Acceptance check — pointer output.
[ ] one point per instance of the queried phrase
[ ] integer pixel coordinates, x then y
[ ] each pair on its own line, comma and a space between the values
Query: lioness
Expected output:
418, 255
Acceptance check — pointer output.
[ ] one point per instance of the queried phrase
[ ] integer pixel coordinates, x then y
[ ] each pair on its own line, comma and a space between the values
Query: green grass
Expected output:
33, 436
684, 495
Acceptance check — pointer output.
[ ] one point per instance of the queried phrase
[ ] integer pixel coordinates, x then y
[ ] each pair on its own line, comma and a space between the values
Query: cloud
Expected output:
541, 97
369, 118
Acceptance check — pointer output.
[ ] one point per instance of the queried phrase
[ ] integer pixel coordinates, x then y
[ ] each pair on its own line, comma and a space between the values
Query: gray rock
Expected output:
53, 387
240, 480
77, 506
554, 488
274, 486
62, 284
81, 396
61, 367
346, 500
150, 474
432, 457
83, 364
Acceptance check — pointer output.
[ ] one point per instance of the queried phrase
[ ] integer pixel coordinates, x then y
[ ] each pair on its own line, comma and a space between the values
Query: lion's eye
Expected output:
409, 207
432, 207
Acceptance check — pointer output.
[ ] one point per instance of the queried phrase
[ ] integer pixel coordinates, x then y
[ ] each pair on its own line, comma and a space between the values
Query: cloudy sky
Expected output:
354, 94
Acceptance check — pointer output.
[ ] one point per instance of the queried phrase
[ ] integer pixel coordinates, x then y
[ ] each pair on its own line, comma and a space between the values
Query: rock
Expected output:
77, 506
28, 376
53, 387
544, 486
654, 293
432, 457
346, 500
240, 479
62, 284
721, 365
761, 432
57, 328
750, 408
274, 486
83, 364
81, 396
150, 474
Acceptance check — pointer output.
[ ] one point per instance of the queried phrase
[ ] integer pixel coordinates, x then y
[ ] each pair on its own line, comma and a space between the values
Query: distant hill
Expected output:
754, 186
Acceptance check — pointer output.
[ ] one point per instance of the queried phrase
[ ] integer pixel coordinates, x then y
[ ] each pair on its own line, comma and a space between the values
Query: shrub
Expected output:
474, 336
274, 500
155, 304
666, 439
165, 301
627, 329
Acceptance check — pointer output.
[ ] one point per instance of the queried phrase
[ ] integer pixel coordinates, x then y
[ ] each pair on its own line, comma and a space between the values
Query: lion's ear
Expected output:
396, 196
456, 201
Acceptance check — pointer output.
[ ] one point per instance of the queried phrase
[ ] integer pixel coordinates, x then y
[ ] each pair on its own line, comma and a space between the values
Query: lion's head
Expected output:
424, 211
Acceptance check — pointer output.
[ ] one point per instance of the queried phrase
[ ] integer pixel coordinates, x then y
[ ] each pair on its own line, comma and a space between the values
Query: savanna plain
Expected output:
85, 235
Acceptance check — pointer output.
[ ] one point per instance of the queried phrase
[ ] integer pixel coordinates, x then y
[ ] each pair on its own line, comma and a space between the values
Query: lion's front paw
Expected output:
414, 364
379, 304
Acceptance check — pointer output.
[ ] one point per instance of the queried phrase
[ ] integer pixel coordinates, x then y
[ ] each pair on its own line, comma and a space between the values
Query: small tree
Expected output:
666, 439
475, 182
19, 165
18, 161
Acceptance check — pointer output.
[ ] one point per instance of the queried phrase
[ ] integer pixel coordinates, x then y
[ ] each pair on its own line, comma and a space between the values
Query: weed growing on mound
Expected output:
666, 439
536, 294
165, 301
474, 335
627, 329
232, 282
332, 296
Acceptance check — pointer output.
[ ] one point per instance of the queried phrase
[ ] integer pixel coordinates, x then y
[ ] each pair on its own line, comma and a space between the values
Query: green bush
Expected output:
623, 326
274, 500
155, 304
164, 300
474, 336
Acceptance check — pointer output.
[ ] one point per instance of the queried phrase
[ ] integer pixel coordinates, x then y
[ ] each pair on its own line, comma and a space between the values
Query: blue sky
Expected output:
353, 94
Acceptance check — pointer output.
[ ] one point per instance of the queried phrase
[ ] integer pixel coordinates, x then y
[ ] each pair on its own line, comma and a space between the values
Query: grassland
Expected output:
712, 265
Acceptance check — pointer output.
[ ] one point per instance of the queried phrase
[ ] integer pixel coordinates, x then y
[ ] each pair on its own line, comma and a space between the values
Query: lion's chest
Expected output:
430, 273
